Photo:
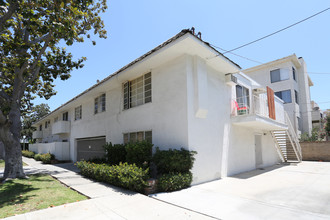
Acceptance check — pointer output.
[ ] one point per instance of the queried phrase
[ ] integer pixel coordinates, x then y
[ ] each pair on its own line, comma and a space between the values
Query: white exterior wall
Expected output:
262, 76
190, 108
166, 115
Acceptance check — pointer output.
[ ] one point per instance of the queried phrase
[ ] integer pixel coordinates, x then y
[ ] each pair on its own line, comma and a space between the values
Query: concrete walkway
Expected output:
300, 191
107, 202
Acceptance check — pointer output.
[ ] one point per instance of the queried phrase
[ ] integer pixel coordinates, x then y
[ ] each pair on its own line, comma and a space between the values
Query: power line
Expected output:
244, 45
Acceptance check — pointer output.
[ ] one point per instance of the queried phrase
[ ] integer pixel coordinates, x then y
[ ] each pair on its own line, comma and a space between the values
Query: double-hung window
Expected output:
99, 104
137, 92
284, 95
279, 75
78, 113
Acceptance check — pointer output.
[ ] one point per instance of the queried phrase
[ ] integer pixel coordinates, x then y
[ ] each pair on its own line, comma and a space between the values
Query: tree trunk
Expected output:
10, 137
13, 160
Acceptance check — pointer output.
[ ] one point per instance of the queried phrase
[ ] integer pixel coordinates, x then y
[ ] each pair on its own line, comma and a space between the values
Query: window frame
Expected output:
100, 104
78, 113
132, 137
65, 116
282, 75
281, 96
138, 91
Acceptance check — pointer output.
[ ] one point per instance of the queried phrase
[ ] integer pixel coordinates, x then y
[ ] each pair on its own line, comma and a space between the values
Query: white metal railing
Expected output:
258, 105
294, 138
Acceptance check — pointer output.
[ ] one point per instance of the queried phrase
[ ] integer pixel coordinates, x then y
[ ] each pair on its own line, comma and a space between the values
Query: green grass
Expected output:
38, 192
2, 164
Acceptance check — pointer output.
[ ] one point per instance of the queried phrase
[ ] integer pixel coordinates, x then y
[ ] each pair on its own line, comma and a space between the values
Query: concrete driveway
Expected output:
296, 191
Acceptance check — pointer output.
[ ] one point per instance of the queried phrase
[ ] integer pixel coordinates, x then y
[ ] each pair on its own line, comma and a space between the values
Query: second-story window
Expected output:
242, 97
99, 104
78, 113
65, 116
40, 127
284, 95
47, 123
279, 75
55, 119
137, 91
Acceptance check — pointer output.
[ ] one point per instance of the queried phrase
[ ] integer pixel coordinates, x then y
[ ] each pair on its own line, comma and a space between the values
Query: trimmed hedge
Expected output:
47, 158
37, 157
178, 161
139, 153
174, 181
115, 153
27, 153
124, 175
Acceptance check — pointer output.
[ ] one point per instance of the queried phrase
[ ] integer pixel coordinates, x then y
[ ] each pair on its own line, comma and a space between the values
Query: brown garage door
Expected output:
89, 148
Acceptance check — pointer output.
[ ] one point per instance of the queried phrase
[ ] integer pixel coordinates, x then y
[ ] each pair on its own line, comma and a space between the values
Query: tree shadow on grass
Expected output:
12, 193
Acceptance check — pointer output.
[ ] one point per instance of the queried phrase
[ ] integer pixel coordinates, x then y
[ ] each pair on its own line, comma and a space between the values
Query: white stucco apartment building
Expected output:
182, 93
290, 81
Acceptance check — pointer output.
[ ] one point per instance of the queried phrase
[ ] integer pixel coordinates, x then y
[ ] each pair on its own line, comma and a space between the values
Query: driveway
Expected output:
296, 191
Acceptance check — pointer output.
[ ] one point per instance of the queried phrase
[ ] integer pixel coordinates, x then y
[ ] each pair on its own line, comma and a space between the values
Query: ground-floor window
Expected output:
137, 136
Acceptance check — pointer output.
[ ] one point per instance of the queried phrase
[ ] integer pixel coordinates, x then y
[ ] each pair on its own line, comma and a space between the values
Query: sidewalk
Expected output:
107, 202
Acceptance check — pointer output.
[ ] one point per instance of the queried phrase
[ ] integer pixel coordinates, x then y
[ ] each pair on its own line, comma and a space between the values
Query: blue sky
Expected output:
135, 27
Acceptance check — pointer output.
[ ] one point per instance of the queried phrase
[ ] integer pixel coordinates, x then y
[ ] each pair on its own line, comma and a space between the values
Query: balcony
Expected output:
254, 113
37, 135
61, 127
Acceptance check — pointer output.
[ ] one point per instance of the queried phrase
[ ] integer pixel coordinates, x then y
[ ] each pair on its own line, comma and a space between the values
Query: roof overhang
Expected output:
184, 43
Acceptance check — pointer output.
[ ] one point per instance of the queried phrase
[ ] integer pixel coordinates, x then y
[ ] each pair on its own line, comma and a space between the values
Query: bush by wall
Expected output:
174, 181
178, 161
27, 153
47, 158
37, 157
115, 153
124, 175
139, 153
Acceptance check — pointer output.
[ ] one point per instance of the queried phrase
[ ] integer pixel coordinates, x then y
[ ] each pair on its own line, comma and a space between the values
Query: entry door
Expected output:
258, 150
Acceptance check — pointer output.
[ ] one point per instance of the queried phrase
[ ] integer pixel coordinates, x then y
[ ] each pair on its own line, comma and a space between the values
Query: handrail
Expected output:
293, 136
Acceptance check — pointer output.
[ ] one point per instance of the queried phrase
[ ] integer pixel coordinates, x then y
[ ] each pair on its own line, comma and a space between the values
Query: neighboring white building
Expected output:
317, 116
290, 81
180, 94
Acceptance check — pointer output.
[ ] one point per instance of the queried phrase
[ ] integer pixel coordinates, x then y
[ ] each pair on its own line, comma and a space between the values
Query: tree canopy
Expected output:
32, 54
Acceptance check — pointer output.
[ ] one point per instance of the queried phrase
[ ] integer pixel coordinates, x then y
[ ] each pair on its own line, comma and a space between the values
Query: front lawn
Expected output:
37, 192
2, 164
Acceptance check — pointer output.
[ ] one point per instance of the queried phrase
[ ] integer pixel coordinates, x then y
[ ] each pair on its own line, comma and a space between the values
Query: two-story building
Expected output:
183, 93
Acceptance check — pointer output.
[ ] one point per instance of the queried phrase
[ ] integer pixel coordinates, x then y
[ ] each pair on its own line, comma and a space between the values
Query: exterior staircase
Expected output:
287, 143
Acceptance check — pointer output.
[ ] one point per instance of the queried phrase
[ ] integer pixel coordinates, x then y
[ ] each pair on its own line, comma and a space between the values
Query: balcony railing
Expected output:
257, 105
61, 127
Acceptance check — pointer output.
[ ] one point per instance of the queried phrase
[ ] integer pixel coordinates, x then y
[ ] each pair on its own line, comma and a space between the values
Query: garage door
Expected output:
89, 148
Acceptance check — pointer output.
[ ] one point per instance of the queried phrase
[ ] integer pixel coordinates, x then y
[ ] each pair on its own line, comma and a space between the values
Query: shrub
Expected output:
179, 161
174, 181
27, 153
139, 153
115, 153
47, 158
98, 160
37, 157
124, 175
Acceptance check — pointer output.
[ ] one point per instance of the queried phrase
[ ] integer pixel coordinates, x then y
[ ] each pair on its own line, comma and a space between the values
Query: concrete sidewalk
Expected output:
107, 202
